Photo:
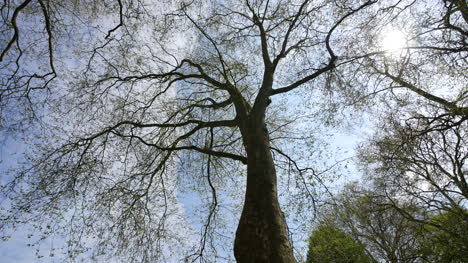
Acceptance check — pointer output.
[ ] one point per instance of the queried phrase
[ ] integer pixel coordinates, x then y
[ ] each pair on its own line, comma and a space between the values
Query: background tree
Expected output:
419, 153
416, 159
361, 216
385, 234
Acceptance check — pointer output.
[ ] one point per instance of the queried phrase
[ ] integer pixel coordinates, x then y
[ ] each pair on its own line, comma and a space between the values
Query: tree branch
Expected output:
120, 20
15, 28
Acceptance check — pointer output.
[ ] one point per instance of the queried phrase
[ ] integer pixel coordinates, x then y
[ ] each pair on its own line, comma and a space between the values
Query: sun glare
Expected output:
393, 40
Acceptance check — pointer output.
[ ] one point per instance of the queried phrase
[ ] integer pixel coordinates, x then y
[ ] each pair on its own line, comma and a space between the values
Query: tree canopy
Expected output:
135, 103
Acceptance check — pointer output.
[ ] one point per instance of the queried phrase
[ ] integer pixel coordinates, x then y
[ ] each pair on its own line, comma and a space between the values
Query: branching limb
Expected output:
331, 63
263, 36
200, 125
15, 28
120, 20
284, 49
451, 106
49, 34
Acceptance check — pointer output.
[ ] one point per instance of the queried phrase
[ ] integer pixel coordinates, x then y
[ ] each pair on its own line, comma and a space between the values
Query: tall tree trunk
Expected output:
261, 235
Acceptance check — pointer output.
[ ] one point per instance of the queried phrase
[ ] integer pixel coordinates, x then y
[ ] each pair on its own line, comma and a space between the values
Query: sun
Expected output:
393, 40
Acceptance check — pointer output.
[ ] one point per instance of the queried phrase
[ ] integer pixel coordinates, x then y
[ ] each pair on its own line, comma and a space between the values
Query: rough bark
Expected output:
261, 234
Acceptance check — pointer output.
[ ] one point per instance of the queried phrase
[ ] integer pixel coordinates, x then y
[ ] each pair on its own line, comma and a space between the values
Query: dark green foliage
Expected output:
445, 239
329, 244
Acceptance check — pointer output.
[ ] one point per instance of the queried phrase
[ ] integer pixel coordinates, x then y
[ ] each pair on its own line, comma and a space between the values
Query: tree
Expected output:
419, 153
425, 169
164, 86
329, 244
384, 233
111, 171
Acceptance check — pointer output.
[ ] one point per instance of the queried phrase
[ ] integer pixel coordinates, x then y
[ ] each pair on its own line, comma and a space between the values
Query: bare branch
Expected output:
120, 20
15, 28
